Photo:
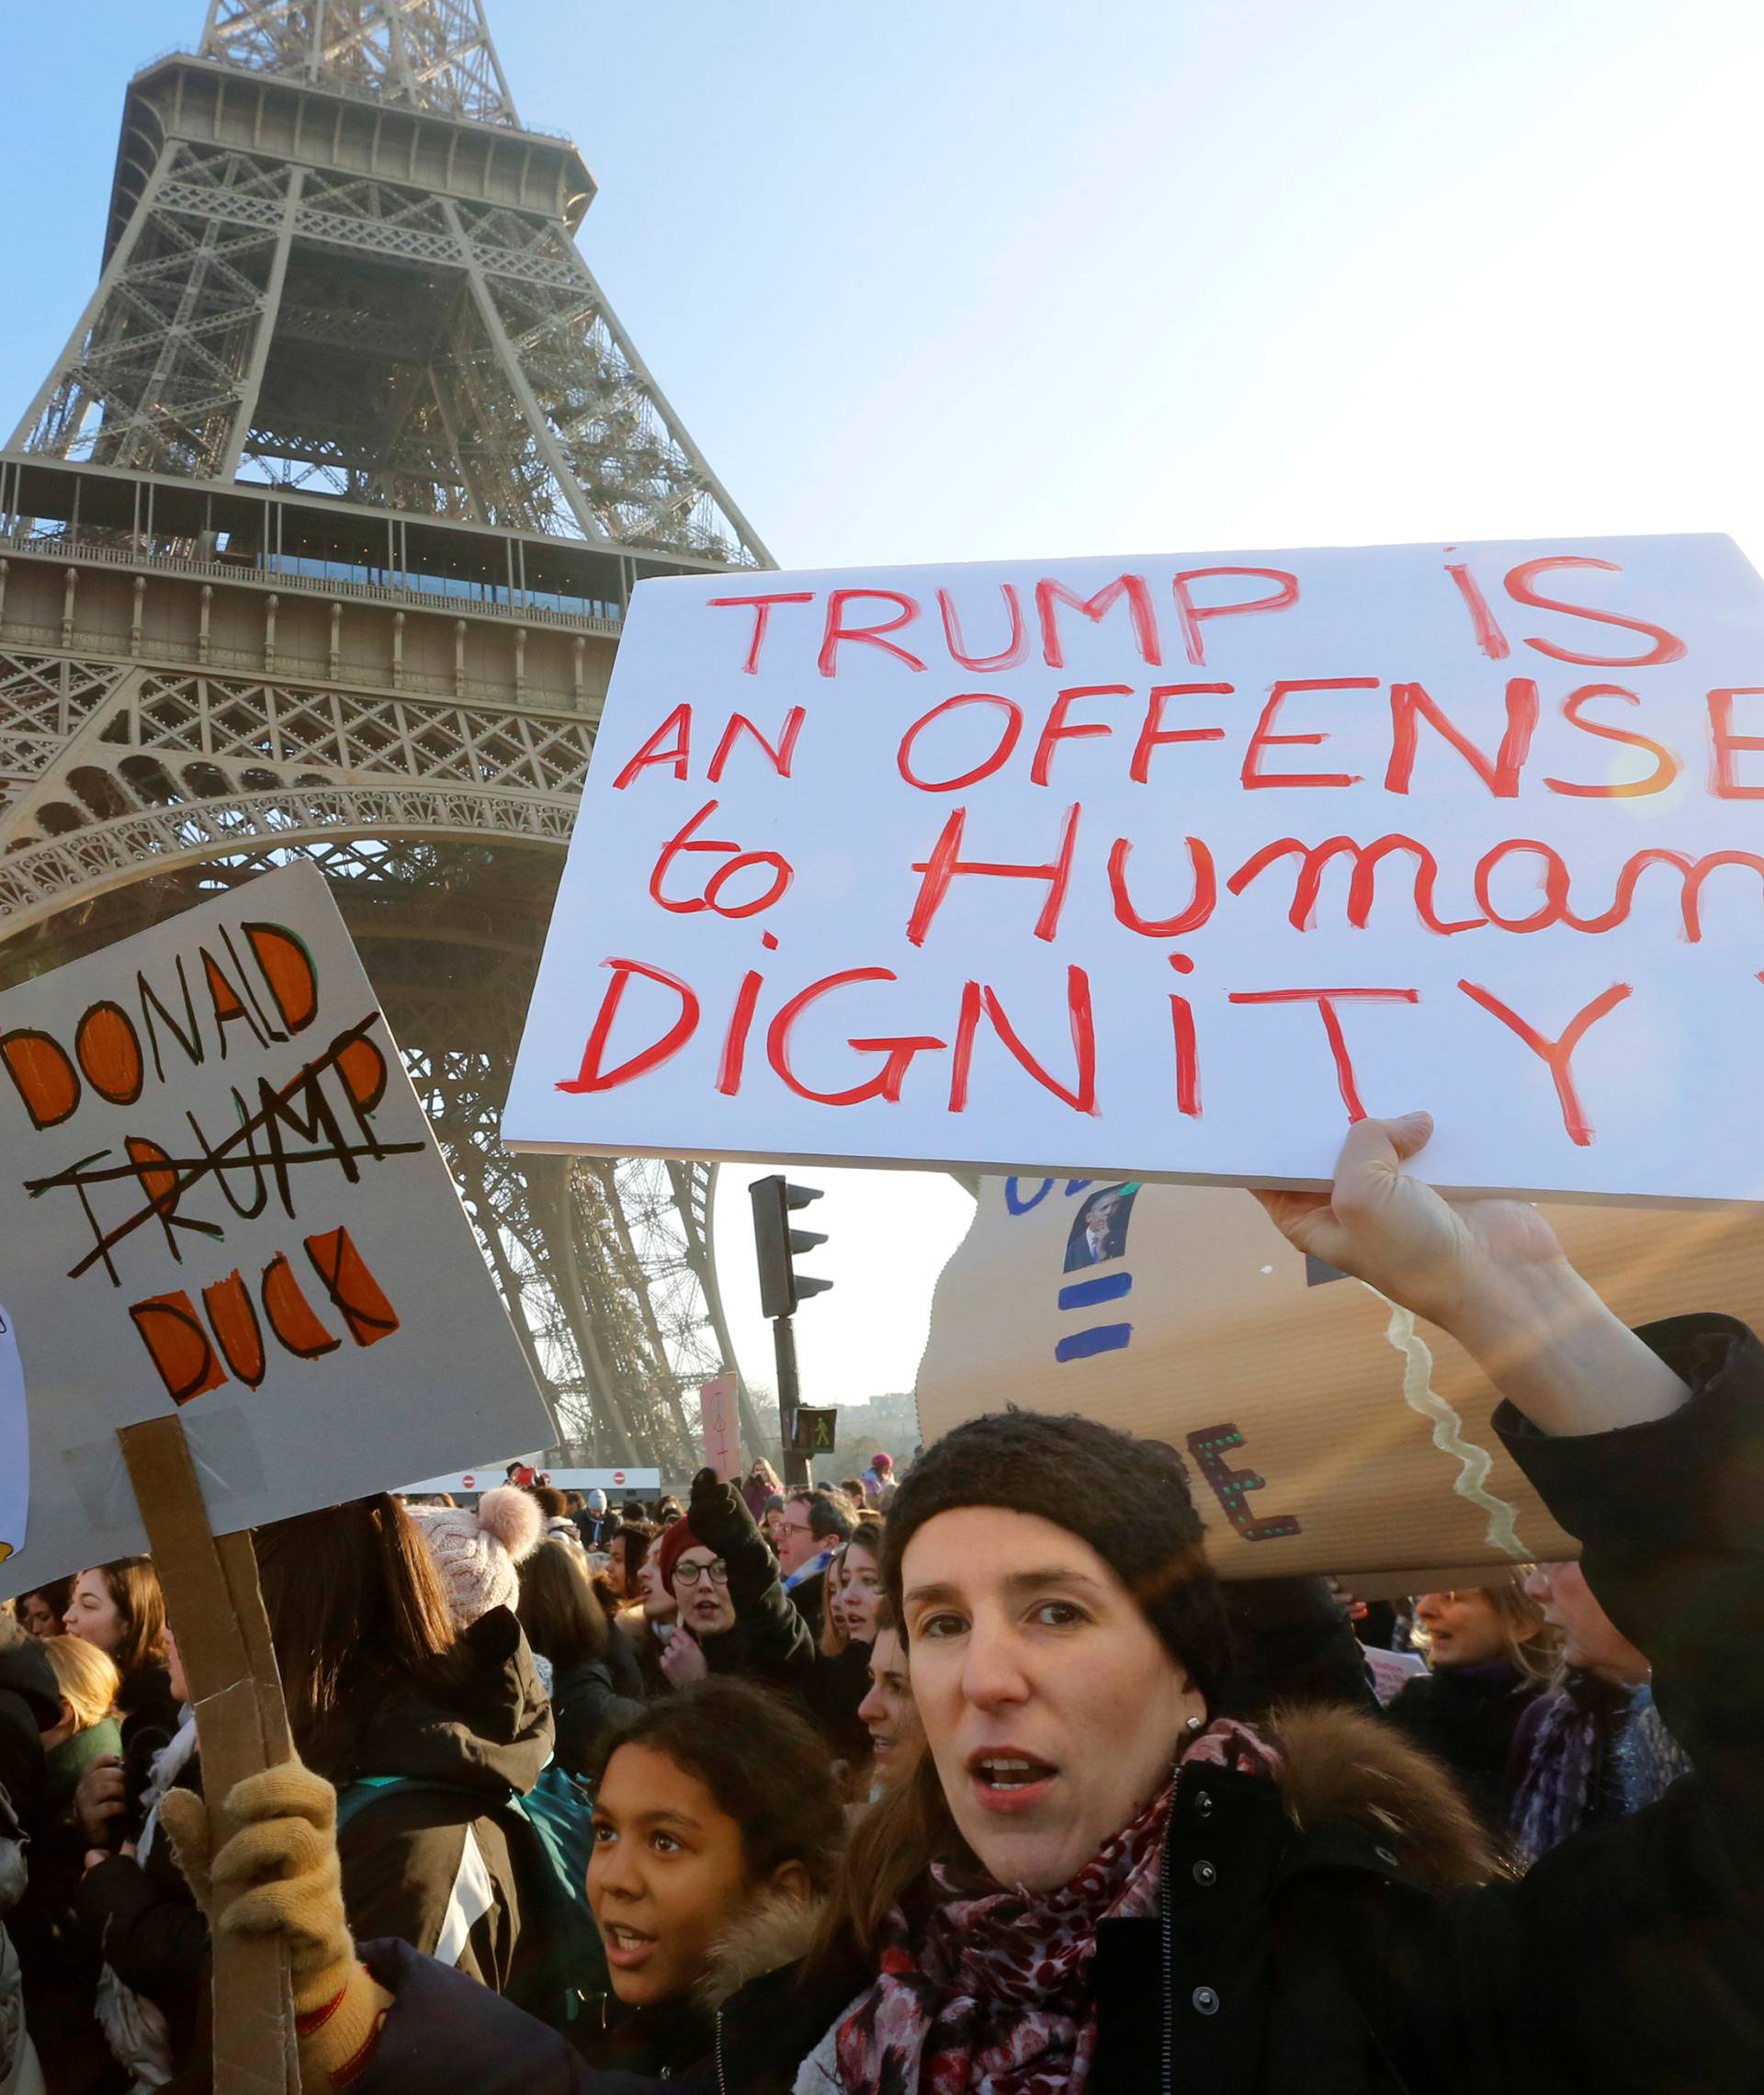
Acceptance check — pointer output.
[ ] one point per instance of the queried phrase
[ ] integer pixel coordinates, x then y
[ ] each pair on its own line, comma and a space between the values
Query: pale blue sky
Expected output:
977, 279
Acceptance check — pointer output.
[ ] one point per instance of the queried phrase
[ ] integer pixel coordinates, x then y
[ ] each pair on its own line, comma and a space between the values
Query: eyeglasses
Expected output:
690, 1574
796, 1527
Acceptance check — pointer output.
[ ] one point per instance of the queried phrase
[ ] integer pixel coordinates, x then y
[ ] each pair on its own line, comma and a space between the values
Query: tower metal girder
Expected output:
433, 54
471, 365
314, 542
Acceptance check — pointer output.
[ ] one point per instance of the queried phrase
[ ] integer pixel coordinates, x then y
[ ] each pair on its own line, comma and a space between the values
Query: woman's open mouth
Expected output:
1005, 1780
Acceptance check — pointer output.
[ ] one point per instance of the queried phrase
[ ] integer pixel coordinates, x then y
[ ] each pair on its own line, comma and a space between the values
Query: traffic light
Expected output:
780, 1286
814, 1431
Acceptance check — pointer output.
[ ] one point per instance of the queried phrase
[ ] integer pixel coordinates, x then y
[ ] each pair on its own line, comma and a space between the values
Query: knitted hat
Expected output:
676, 1539
1127, 1498
476, 1553
881, 1462
597, 1501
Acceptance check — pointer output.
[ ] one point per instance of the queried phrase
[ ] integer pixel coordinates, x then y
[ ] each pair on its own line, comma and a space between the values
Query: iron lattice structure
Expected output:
317, 540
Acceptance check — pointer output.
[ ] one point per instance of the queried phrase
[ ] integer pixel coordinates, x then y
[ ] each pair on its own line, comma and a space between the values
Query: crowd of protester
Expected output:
970, 1781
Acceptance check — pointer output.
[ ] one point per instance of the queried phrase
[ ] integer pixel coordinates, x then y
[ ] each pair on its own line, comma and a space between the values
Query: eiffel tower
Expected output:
316, 540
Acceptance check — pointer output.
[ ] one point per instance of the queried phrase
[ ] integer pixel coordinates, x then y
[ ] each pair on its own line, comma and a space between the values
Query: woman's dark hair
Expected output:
559, 1608
350, 1591
635, 1537
54, 1593
551, 1501
765, 1767
133, 1586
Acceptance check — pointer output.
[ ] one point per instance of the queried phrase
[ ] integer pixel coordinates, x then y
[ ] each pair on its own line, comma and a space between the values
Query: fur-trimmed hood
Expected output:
1339, 1767
775, 1933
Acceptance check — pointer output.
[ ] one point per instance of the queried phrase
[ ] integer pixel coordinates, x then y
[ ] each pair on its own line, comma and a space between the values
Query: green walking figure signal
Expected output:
817, 1430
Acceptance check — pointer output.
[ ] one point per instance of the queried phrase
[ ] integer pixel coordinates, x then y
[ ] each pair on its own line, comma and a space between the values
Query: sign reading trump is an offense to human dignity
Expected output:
1174, 865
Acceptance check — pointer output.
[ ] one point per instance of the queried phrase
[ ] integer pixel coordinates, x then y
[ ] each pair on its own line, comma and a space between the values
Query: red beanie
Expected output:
676, 1539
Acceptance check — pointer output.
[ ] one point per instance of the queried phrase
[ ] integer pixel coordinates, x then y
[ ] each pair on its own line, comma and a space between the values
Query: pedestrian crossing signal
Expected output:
816, 1432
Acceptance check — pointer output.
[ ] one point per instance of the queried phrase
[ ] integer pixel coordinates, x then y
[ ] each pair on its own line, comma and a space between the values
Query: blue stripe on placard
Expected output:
1105, 1288
1100, 1338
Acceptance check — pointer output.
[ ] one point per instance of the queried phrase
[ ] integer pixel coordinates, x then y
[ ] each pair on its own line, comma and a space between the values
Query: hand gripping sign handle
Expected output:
216, 1615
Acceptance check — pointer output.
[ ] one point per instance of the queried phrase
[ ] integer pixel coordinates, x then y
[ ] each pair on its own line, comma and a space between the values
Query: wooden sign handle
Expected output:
216, 1615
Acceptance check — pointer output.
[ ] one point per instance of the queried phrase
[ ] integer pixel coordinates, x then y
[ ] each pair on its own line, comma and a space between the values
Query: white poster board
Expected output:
1170, 865
220, 1195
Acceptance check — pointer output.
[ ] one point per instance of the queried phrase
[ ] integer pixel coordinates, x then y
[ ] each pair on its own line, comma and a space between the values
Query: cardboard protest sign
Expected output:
1323, 1430
720, 1420
221, 1200
1170, 866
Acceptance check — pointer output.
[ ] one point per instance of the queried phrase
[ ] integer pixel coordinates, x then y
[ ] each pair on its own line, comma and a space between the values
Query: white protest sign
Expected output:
1170, 865
220, 1197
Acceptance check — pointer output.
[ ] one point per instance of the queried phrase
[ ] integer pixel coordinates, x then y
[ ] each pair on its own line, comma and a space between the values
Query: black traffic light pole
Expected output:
781, 1288
797, 1471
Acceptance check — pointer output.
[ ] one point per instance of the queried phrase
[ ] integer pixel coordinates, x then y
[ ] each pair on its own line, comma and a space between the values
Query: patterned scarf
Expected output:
1563, 1772
993, 1992
1595, 1751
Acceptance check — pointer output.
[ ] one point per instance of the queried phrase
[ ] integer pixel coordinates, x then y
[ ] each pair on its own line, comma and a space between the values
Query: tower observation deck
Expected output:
316, 541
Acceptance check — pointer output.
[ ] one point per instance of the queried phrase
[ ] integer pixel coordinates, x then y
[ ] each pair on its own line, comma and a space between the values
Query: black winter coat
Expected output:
622, 1666
1467, 1716
810, 1600
1312, 1935
597, 1530
831, 1688
151, 1715
1630, 1961
487, 1736
584, 1702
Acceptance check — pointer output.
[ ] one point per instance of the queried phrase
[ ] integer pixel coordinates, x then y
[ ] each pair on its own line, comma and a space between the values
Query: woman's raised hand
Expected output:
683, 1659
1446, 1260
1489, 1270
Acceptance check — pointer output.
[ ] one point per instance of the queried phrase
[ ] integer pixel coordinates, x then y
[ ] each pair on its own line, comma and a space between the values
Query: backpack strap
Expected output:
473, 1893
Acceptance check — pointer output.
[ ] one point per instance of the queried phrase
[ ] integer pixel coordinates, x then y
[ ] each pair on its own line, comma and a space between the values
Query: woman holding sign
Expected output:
1100, 1882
